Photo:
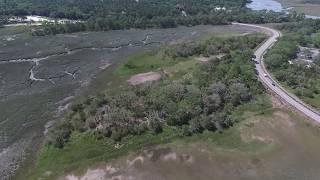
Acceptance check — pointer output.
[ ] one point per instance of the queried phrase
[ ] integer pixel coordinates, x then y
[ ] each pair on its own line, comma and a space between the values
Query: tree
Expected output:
218, 88
208, 123
188, 103
167, 22
239, 93
317, 61
3, 20
154, 122
275, 60
183, 113
59, 134
212, 103
316, 40
195, 126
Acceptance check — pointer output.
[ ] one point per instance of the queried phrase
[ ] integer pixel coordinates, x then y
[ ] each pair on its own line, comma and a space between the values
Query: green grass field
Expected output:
151, 61
85, 150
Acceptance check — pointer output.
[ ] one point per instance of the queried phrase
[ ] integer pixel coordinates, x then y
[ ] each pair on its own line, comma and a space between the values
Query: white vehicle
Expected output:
265, 75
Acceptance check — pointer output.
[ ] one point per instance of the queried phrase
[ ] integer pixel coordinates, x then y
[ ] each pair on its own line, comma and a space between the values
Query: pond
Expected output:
272, 5
269, 5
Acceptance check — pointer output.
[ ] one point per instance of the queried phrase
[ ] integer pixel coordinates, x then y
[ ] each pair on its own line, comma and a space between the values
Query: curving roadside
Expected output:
271, 83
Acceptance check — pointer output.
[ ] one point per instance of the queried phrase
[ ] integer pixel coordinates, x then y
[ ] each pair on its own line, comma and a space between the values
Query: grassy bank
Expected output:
85, 149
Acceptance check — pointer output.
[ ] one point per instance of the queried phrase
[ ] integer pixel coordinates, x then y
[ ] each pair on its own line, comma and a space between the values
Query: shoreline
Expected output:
311, 10
286, 6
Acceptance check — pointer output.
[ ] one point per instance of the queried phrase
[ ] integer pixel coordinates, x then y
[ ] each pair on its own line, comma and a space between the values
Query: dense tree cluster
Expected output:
124, 14
213, 46
299, 76
84, 9
201, 100
125, 21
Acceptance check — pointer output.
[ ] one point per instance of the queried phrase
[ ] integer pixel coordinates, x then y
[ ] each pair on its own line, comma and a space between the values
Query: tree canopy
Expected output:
106, 15
203, 101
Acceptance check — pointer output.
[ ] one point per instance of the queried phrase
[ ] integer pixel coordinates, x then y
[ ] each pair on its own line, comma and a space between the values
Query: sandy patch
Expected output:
71, 35
256, 129
178, 41
170, 157
206, 59
144, 77
275, 129
66, 100
97, 174
286, 119
9, 38
276, 103
64, 104
105, 66
107, 173
139, 159
63, 108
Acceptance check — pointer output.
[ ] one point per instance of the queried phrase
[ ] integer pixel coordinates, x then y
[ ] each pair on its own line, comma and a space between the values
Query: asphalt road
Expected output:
271, 83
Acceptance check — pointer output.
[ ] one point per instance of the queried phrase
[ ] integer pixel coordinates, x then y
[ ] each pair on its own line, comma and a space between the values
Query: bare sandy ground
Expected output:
105, 66
96, 174
206, 59
144, 77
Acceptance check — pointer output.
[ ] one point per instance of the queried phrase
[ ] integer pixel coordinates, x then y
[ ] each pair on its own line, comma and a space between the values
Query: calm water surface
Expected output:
271, 5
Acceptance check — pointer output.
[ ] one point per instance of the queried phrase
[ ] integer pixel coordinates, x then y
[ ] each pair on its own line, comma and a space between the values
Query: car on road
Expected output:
265, 75
273, 83
257, 62
253, 57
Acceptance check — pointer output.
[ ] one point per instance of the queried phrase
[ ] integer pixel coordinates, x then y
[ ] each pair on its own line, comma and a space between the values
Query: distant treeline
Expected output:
203, 99
127, 21
124, 14
311, 1
84, 9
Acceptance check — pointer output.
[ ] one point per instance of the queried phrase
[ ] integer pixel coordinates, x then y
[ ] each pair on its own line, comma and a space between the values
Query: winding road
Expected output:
270, 82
